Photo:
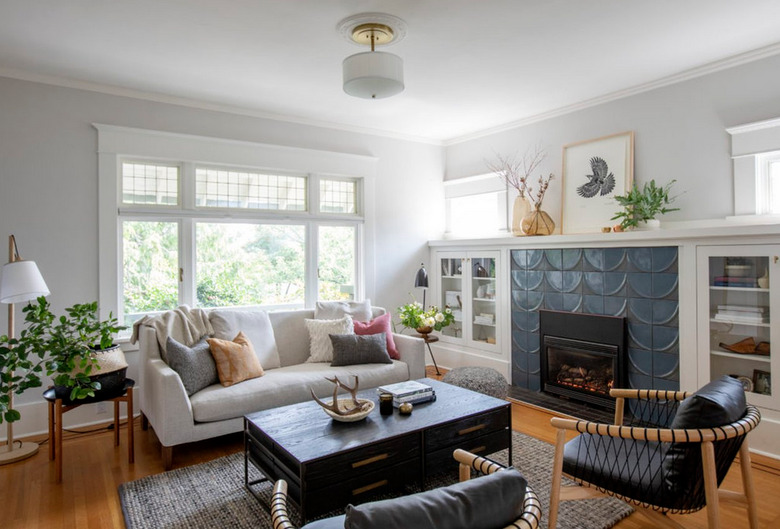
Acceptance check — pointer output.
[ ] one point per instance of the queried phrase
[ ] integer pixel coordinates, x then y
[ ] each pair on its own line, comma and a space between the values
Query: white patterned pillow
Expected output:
320, 346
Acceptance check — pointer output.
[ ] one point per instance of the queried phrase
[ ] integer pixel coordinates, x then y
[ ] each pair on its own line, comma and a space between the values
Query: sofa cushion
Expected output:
486, 502
380, 324
256, 326
720, 402
333, 310
352, 349
320, 346
236, 360
195, 365
334, 522
287, 385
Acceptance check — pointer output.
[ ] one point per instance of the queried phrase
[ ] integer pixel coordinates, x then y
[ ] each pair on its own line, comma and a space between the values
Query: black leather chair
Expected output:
450, 511
670, 456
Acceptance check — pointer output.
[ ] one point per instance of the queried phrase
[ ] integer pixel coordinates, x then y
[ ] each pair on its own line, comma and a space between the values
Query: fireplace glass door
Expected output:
580, 369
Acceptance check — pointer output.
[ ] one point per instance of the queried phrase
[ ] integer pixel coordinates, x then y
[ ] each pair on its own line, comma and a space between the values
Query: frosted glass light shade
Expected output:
21, 281
373, 75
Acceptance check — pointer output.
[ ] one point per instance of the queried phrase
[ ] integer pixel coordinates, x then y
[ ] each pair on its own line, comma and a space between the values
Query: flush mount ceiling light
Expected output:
373, 74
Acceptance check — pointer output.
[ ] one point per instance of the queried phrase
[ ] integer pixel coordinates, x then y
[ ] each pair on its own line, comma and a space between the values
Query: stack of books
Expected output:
484, 319
730, 281
742, 314
410, 391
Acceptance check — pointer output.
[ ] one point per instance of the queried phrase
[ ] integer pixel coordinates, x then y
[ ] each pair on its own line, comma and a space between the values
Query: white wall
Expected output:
680, 134
48, 189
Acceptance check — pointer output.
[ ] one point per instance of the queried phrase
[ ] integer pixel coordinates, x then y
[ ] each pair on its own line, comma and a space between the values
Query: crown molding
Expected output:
755, 126
693, 73
157, 97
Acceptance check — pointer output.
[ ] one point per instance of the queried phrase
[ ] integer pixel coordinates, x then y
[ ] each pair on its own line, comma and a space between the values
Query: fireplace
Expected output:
582, 355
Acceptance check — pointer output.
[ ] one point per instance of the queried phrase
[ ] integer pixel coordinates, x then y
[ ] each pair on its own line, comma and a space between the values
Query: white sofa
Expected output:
217, 410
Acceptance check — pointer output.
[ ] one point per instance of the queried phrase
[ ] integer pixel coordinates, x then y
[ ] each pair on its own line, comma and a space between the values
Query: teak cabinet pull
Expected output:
372, 486
477, 449
368, 461
472, 429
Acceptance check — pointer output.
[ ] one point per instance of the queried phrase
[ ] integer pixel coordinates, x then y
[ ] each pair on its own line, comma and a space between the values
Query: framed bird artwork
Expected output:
594, 171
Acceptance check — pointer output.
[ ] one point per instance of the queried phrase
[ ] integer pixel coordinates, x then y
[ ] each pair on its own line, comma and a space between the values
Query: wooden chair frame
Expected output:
705, 437
532, 508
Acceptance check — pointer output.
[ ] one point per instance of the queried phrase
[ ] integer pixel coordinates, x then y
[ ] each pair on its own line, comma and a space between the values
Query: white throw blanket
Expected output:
185, 325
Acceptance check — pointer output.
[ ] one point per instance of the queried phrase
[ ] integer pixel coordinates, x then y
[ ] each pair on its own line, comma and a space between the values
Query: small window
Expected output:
150, 271
338, 196
144, 183
768, 183
336, 266
220, 188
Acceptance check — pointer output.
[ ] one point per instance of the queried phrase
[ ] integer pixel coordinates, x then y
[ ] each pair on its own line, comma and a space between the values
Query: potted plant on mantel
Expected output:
642, 206
76, 349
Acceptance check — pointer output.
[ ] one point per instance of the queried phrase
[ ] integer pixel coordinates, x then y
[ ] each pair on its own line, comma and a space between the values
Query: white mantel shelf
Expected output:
664, 236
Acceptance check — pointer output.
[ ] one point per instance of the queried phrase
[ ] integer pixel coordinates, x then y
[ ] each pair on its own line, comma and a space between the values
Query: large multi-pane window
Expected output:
223, 237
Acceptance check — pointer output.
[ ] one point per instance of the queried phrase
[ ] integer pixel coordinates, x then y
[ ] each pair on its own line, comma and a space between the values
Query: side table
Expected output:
428, 341
57, 408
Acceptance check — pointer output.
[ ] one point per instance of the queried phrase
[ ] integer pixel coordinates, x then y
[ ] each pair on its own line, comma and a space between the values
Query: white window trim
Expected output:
116, 144
749, 144
477, 185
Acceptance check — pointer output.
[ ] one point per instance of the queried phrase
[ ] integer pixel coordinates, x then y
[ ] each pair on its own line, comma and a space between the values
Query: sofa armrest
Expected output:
164, 400
412, 351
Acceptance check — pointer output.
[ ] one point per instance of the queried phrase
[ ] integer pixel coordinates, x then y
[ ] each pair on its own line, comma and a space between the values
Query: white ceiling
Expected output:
470, 65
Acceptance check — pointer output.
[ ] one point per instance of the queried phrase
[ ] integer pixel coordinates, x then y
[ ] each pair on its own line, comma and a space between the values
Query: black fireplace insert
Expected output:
582, 356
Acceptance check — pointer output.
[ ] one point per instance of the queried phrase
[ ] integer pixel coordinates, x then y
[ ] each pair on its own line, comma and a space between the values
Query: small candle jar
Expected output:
386, 403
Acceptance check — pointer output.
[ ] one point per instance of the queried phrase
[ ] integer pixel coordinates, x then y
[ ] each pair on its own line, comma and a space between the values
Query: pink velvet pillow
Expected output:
377, 325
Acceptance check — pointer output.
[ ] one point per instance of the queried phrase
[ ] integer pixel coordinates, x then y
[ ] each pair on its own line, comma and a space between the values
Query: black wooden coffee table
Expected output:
328, 464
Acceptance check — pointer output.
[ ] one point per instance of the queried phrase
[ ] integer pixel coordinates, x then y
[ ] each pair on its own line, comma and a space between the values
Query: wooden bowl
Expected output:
347, 403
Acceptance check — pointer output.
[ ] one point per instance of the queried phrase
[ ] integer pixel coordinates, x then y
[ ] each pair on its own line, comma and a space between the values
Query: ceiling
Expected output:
470, 66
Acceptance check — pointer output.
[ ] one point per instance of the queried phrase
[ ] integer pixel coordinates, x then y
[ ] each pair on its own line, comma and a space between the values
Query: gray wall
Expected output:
680, 134
48, 183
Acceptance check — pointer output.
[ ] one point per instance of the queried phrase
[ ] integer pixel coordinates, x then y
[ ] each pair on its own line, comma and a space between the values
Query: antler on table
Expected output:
334, 405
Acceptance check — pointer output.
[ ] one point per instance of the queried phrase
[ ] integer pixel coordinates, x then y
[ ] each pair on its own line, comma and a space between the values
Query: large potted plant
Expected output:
643, 205
76, 349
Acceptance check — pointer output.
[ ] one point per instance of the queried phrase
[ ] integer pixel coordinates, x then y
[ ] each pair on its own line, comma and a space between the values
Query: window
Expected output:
249, 264
476, 206
768, 183
144, 183
216, 188
336, 268
211, 222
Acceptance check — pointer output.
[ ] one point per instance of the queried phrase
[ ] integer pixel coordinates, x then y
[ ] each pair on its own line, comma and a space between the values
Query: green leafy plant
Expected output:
414, 316
641, 205
61, 347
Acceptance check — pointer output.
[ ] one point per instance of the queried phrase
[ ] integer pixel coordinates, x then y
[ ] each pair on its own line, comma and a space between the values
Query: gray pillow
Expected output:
487, 502
353, 349
334, 310
195, 365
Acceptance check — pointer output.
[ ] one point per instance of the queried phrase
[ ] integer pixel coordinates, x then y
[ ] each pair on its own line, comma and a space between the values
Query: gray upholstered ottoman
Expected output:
481, 379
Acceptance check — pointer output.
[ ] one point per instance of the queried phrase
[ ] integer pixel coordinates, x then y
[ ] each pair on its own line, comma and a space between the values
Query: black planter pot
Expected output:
111, 385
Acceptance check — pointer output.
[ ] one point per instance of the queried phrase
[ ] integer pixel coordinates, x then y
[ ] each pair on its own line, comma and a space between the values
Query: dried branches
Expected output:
517, 172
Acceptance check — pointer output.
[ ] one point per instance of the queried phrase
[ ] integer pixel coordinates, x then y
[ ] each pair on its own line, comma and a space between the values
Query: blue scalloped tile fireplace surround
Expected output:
639, 284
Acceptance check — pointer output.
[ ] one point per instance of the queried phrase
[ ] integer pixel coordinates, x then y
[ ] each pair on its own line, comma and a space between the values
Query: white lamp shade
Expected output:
21, 281
373, 75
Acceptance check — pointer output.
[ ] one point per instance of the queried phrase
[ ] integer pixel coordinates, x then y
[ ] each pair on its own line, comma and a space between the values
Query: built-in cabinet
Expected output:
738, 305
467, 283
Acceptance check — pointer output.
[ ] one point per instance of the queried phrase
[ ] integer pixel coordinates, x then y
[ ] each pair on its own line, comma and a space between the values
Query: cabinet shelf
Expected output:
486, 300
743, 323
755, 358
485, 324
740, 289
452, 277
484, 278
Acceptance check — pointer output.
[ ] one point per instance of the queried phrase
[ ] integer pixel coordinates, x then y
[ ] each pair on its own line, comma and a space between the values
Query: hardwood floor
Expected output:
93, 469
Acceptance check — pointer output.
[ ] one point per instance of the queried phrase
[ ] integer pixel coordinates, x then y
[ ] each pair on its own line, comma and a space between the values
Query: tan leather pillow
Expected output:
236, 360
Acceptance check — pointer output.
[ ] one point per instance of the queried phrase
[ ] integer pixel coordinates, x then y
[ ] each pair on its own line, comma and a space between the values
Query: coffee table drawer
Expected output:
442, 459
458, 432
347, 465
337, 494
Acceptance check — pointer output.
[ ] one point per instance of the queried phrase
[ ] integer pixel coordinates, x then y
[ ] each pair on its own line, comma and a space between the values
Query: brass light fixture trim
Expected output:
386, 29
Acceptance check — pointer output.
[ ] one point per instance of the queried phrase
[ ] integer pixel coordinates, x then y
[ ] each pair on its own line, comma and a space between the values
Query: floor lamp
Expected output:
21, 281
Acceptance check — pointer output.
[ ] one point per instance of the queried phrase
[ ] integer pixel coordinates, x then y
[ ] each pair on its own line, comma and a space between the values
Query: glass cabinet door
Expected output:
483, 299
452, 293
739, 309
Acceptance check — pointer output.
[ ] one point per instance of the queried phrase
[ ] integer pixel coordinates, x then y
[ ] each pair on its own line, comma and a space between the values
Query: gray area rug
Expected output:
213, 495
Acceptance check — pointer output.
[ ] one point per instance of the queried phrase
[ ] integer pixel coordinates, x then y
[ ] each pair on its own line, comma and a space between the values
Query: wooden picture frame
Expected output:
594, 171
762, 382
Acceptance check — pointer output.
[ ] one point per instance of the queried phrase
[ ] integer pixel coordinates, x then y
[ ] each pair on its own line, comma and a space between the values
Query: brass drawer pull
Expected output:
372, 486
472, 429
477, 449
380, 457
